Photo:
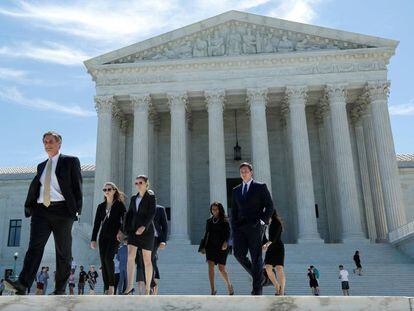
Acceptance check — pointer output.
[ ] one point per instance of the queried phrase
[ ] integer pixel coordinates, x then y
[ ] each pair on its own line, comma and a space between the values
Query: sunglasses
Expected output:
107, 189
139, 183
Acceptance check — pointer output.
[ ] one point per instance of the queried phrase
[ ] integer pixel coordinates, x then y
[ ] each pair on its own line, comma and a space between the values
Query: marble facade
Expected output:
312, 117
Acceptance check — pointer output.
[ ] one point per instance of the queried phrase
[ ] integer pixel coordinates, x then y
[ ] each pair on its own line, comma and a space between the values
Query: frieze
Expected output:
237, 38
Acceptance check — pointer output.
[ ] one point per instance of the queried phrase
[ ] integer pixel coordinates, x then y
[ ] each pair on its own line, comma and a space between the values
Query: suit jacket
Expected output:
68, 174
144, 216
160, 223
256, 205
110, 226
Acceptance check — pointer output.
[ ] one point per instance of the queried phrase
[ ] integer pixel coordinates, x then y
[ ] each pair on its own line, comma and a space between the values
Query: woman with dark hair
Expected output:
108, 220
357, 261
275, 253
140, 229
216, 247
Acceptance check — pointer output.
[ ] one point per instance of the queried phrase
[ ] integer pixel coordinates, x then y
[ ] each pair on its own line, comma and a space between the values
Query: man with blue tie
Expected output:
252, 208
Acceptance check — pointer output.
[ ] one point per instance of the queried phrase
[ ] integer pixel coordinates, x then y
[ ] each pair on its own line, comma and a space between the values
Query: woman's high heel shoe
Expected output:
214, 293
231, 292
131, 292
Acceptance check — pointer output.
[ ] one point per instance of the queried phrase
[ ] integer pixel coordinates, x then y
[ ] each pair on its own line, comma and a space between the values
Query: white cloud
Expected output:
48, 52
302, 11
402, 110
12, 74
13, 95
129, 21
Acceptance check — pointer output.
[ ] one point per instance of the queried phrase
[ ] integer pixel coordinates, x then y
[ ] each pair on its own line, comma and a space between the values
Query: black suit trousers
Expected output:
45, 221
248, 238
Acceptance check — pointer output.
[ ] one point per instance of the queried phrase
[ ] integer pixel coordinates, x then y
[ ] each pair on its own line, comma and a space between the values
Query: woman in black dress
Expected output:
140, 229
108, 221
275, 254
358, 265
216, 247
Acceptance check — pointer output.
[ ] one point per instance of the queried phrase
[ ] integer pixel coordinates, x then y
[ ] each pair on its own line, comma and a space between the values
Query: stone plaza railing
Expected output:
403, 238
402, 233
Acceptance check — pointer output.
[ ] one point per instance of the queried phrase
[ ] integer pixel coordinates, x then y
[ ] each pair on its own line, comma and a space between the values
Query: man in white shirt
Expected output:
54, 201
343, 276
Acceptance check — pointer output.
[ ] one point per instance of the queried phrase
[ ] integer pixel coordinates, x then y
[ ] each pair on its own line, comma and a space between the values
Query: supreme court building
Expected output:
306, 105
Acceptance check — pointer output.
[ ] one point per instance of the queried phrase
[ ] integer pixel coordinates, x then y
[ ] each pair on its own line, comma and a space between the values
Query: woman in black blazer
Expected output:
140, 229
108, 220
215, 238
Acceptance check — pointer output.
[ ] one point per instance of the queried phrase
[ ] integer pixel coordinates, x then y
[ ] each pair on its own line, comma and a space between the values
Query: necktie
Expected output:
48, 176
244, 190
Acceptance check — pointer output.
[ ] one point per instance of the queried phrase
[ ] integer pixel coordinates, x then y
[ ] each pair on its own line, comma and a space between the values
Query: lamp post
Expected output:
237, 148
16, 255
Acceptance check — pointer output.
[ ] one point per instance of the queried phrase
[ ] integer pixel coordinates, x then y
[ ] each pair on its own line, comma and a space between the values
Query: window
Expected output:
14, 232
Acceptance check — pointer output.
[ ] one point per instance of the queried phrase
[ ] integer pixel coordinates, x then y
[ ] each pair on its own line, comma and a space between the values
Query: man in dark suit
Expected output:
252, 208
161, 232
54, 202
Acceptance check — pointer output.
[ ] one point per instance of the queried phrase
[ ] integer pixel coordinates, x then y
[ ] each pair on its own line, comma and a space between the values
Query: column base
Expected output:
308, 240
179, 240
359, 240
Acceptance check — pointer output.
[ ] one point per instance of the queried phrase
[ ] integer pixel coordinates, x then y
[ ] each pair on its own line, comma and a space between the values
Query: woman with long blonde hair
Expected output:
108, 220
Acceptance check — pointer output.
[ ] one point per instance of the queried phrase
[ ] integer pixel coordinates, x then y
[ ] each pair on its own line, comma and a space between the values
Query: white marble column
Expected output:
335, 224
347, 189
364, 173
374, 174
140, 153
256, 99
302, 170
121, 153
153, 142
103, 163
390, 182
178, 172
216, 153
116, 128
324, 164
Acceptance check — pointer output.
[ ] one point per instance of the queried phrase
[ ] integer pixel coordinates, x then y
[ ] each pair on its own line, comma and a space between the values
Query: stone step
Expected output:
204, 303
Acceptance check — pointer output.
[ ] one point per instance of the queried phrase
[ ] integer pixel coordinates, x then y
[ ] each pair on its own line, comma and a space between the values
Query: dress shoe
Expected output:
16, 286
131, 292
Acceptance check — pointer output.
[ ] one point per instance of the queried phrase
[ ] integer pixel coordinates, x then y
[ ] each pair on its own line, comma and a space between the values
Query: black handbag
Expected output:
203, 244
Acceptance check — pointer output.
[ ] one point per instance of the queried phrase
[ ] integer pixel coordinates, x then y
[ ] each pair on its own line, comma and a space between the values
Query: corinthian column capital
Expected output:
104, 103
257, 96
215, 97
378, 90
336, 93
296, 94
176, 100
140, 102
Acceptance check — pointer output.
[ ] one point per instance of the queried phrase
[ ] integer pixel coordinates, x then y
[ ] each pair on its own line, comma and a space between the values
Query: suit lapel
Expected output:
41, 168
57, 170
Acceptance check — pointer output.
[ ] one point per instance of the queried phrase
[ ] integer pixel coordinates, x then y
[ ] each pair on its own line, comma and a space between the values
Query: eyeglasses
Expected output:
139, 183
107, 189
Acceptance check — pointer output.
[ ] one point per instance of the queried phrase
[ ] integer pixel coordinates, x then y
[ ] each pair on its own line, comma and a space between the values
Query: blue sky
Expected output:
44, 85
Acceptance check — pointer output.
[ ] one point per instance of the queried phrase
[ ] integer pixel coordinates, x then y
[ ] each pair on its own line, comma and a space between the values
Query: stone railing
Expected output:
401, 233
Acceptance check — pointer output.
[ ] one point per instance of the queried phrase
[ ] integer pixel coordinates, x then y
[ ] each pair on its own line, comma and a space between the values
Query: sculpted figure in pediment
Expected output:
260, 35
249, 42
234, 42
302, 45
185, 50
285, 45
269, 43
200, 48
216, 46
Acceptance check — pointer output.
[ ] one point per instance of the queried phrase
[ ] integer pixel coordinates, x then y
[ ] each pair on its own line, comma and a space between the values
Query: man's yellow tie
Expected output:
48, 177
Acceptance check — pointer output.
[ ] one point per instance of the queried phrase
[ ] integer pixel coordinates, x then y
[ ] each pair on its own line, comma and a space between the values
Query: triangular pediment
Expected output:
237, 33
